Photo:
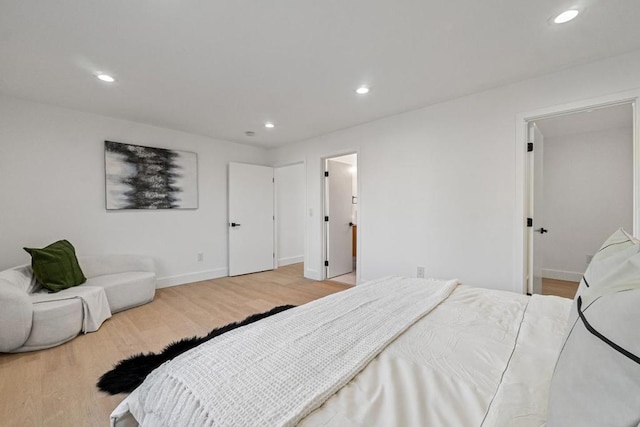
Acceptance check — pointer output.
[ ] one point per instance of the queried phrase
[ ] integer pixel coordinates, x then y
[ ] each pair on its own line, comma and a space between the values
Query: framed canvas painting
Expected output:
139, 177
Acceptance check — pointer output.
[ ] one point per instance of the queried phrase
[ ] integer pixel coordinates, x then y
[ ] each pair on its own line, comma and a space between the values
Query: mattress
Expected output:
480, 358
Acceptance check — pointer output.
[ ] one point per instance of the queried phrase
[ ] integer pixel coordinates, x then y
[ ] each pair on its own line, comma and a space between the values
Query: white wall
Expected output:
52, 187
352, 159
588, 194
290, 196
438, 185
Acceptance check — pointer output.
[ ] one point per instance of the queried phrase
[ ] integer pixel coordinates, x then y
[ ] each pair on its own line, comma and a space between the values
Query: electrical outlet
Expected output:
589, 258
200, 256
420, 272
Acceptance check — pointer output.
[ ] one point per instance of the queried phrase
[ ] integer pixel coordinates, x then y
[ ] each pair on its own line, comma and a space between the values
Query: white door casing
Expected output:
251, 218
536, 232
339, 210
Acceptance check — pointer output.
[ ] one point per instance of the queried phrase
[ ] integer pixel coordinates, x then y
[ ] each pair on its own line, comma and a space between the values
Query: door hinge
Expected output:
529, 222
326, 263
529, 147
326, 218
326, 173
273, 180
274, 217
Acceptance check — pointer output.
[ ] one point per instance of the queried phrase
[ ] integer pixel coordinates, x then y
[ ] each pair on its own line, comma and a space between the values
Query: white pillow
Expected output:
596, 381
612, 269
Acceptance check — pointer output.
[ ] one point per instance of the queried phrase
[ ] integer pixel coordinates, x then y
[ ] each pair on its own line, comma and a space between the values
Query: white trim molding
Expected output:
569, 276
312, 274
290, 260
183, 279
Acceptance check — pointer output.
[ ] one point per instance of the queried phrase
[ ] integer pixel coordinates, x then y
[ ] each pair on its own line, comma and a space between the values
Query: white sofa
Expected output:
31, 318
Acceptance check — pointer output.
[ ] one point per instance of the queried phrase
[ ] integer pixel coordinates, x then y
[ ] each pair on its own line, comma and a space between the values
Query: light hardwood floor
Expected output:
561, 288
56, 387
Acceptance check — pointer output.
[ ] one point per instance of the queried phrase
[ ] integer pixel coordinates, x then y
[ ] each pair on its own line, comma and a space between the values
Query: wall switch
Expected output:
200, 256
420, 272
589, 258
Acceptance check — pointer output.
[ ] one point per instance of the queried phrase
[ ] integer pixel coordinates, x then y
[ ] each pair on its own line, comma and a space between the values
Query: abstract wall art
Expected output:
139, 177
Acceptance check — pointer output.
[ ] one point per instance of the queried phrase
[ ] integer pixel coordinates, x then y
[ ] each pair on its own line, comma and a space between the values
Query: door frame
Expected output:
522, 190
277, 217
323, 225
530, 210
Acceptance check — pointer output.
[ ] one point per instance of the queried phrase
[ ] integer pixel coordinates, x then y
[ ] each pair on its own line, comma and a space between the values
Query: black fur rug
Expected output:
129, 373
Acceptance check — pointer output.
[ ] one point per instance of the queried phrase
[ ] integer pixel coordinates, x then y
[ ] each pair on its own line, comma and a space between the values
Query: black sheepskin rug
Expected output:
129, 373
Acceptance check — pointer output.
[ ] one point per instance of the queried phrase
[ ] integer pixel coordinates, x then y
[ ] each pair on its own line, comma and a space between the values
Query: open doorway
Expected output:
341, 218
290, 195
581, 189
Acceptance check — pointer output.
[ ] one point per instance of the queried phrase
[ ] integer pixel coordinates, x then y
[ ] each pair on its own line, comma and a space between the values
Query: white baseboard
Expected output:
570, 276
312, 274
290, 260
182, 279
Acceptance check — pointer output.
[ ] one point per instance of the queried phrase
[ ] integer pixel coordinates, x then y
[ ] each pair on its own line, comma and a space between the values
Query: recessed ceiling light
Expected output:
566, 16
106, 78
362, 90
269, 125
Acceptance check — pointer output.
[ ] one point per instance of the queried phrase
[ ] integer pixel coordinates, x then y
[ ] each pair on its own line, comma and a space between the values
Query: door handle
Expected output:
234, 224
351, 224
542, 230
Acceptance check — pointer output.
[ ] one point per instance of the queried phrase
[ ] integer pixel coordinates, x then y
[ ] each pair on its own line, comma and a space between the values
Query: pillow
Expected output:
612, 269
596, 381
56, 266
597, 377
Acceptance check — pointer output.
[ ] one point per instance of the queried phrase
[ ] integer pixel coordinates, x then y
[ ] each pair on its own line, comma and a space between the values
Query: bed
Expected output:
412, 352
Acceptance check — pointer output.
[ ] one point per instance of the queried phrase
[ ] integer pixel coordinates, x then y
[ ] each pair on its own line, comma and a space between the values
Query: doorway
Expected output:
580, 190
341, 218
290, 199
266, 219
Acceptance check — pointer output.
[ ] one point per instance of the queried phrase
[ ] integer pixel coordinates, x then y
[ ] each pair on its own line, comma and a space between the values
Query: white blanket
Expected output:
278, 370
481, 358
95, 306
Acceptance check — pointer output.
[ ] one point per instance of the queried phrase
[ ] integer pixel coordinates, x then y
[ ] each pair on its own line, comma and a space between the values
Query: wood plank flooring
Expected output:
561, 288
56, 387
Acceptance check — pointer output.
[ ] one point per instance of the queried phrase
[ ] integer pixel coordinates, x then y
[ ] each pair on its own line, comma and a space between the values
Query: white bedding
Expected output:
448, 367
481, 358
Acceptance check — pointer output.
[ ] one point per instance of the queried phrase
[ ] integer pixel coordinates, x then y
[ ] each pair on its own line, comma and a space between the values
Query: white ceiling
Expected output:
220, 68
615, 117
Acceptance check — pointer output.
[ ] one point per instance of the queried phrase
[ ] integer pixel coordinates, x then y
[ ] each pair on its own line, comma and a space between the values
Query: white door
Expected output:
536, 232
338, 209
250, 218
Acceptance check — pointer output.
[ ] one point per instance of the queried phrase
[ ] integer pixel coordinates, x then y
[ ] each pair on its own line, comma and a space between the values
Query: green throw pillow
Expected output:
56, 266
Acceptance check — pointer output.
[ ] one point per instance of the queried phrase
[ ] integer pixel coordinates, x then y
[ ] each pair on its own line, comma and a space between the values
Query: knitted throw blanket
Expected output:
276, 371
